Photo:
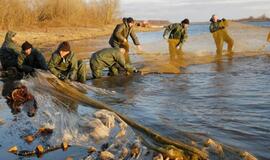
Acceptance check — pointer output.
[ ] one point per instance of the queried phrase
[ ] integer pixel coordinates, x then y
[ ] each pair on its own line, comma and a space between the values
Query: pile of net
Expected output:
99, 131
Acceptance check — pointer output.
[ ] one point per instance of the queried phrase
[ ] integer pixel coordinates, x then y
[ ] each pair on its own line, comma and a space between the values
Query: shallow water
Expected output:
226, 101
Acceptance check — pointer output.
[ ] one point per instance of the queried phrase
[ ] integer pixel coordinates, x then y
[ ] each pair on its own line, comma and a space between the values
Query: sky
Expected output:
195, 10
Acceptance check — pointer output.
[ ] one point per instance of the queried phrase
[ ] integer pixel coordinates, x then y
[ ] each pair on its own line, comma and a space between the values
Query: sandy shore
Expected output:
83, 39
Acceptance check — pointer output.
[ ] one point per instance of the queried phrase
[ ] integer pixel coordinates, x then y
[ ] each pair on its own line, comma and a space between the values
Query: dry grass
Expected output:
56, 13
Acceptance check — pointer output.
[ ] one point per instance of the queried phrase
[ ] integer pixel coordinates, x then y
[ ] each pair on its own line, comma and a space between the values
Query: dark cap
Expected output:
64, 46
212, 18
130, 20
26, 45
185, 21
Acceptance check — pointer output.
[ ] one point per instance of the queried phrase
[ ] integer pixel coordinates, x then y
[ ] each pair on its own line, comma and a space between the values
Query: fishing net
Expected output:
98, 126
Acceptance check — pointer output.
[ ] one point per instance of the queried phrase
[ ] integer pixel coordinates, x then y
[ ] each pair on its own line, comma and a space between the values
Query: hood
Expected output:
8, 39
9, 35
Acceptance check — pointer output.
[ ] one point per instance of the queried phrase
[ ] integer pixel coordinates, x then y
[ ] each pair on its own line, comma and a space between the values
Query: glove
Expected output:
222, 27
136, 71
179, 46
62, 77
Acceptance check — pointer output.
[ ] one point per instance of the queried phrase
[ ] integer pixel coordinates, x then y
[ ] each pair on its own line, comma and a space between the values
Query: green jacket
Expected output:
215, 26
121, 32
34, 60
67, 65
9, 51
176, 31
107, 58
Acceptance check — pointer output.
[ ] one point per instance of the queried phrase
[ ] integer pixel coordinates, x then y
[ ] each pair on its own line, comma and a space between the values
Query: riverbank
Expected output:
47, 39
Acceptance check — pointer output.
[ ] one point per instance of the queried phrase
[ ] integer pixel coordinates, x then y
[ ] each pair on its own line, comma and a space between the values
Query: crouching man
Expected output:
31, 59
109, 58
64, 64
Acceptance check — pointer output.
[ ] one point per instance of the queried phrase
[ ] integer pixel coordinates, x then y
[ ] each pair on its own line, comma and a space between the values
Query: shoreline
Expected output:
47, 39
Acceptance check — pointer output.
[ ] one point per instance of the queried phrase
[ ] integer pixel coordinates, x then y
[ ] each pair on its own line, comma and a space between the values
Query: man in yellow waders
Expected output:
220, 34
268, 38
177, 36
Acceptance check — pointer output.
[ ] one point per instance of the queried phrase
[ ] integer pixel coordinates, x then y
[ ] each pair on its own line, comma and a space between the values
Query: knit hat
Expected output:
185, 21
64, 46
26, 45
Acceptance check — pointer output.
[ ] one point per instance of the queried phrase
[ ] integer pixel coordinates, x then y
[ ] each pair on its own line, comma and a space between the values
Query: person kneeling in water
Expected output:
30, 59
65, 66
109, 58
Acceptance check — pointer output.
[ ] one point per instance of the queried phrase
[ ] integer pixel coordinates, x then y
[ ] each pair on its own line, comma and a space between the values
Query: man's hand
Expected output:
125, 41
179, 46
139, 47
222, 27
136, 71
62, 77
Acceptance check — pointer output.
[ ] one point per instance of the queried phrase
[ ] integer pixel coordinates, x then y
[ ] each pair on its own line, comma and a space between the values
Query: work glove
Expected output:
62, 77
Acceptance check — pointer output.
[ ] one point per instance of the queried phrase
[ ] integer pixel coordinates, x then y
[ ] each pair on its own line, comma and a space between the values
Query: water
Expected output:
226, 101
260, 24
194, 29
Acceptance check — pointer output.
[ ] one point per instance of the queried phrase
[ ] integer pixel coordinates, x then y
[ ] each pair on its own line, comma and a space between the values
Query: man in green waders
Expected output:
64, 64
220, 34
109, 58
177, 36
120, 36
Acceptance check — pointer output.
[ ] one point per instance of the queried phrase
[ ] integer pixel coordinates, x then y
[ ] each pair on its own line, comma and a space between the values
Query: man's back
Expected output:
106, 57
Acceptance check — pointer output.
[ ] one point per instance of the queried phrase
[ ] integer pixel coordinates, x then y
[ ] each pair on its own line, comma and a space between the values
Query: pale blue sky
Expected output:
196, 10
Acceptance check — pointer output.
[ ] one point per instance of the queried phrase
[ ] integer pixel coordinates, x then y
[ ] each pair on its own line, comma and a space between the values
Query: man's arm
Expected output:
120, 59
22, 66
134, 37
72, 74
183, 38
52, 65
41, 61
